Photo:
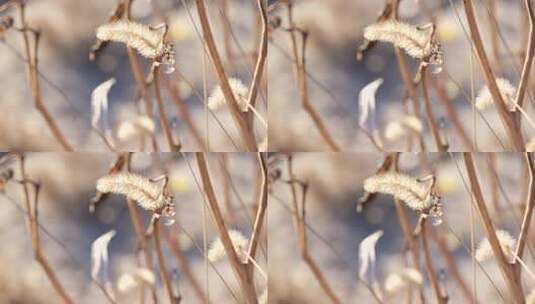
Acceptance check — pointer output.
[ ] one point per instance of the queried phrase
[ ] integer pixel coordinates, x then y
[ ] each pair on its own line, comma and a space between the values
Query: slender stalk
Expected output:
33, 72
164, 122
164, 273
238, 267
261, 211
528, 211
238, 117
508, 122
33, 224
528, 59
441, 299
441, 147
301, 74
515, 288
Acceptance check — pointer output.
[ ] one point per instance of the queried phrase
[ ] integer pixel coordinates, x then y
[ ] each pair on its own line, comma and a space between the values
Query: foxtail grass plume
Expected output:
397, 129
131, 280
217, 98
147, 41
399, 280
530, 146
415, 42
149, 195
507, 242
217, 250
139, 126
403, 187
484, 98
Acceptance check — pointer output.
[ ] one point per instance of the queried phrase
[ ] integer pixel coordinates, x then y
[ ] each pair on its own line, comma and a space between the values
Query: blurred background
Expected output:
335, 77
335, 229
68, 76
68, 228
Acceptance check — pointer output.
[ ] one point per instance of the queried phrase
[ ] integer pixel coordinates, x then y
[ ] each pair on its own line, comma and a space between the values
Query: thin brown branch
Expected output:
176, 250
164, 122
507, 119
33, 72
528, 59
33, 224
261, 211
441, 147
528, 210
238, 117
433, 279
247, 285
164, 273
515, 288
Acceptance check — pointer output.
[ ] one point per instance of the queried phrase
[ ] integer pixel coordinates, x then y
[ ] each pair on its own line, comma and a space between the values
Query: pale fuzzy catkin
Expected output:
507, 242
146, 41
530, 146
217, 250
399, 280
396, 129
131, 280
402, 187
484, 98
138, 126
217, 98
530, 298
402, 35
140, 189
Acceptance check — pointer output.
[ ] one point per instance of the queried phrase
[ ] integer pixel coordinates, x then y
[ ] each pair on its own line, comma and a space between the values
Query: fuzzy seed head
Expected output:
484, 98
402, 187
149, 195
397, 129
217, 250
415, 42
399, 280
217, 98
148, 42
507, 242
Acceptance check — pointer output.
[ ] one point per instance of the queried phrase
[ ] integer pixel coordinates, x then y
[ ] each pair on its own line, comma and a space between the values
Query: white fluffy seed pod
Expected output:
399, 280
140, 189
397, 129
403, 187
402, 35
148, 42
507, 242
484, 98
140, 276
217, 250
530, 146
217, 98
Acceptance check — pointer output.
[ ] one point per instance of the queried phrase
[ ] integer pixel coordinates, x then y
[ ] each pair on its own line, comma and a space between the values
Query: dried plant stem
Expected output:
507, 119
183, 110
528, 212
441, 299
493, 25
260, 63
140, 233
176, 250
240, 271
164, 273
139, 77
515, 288
451, 265
451, 112
260, 213
33, 224
299, 215
164, 122
441, 147
239, 118
528, 59
301, 74
33, 72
